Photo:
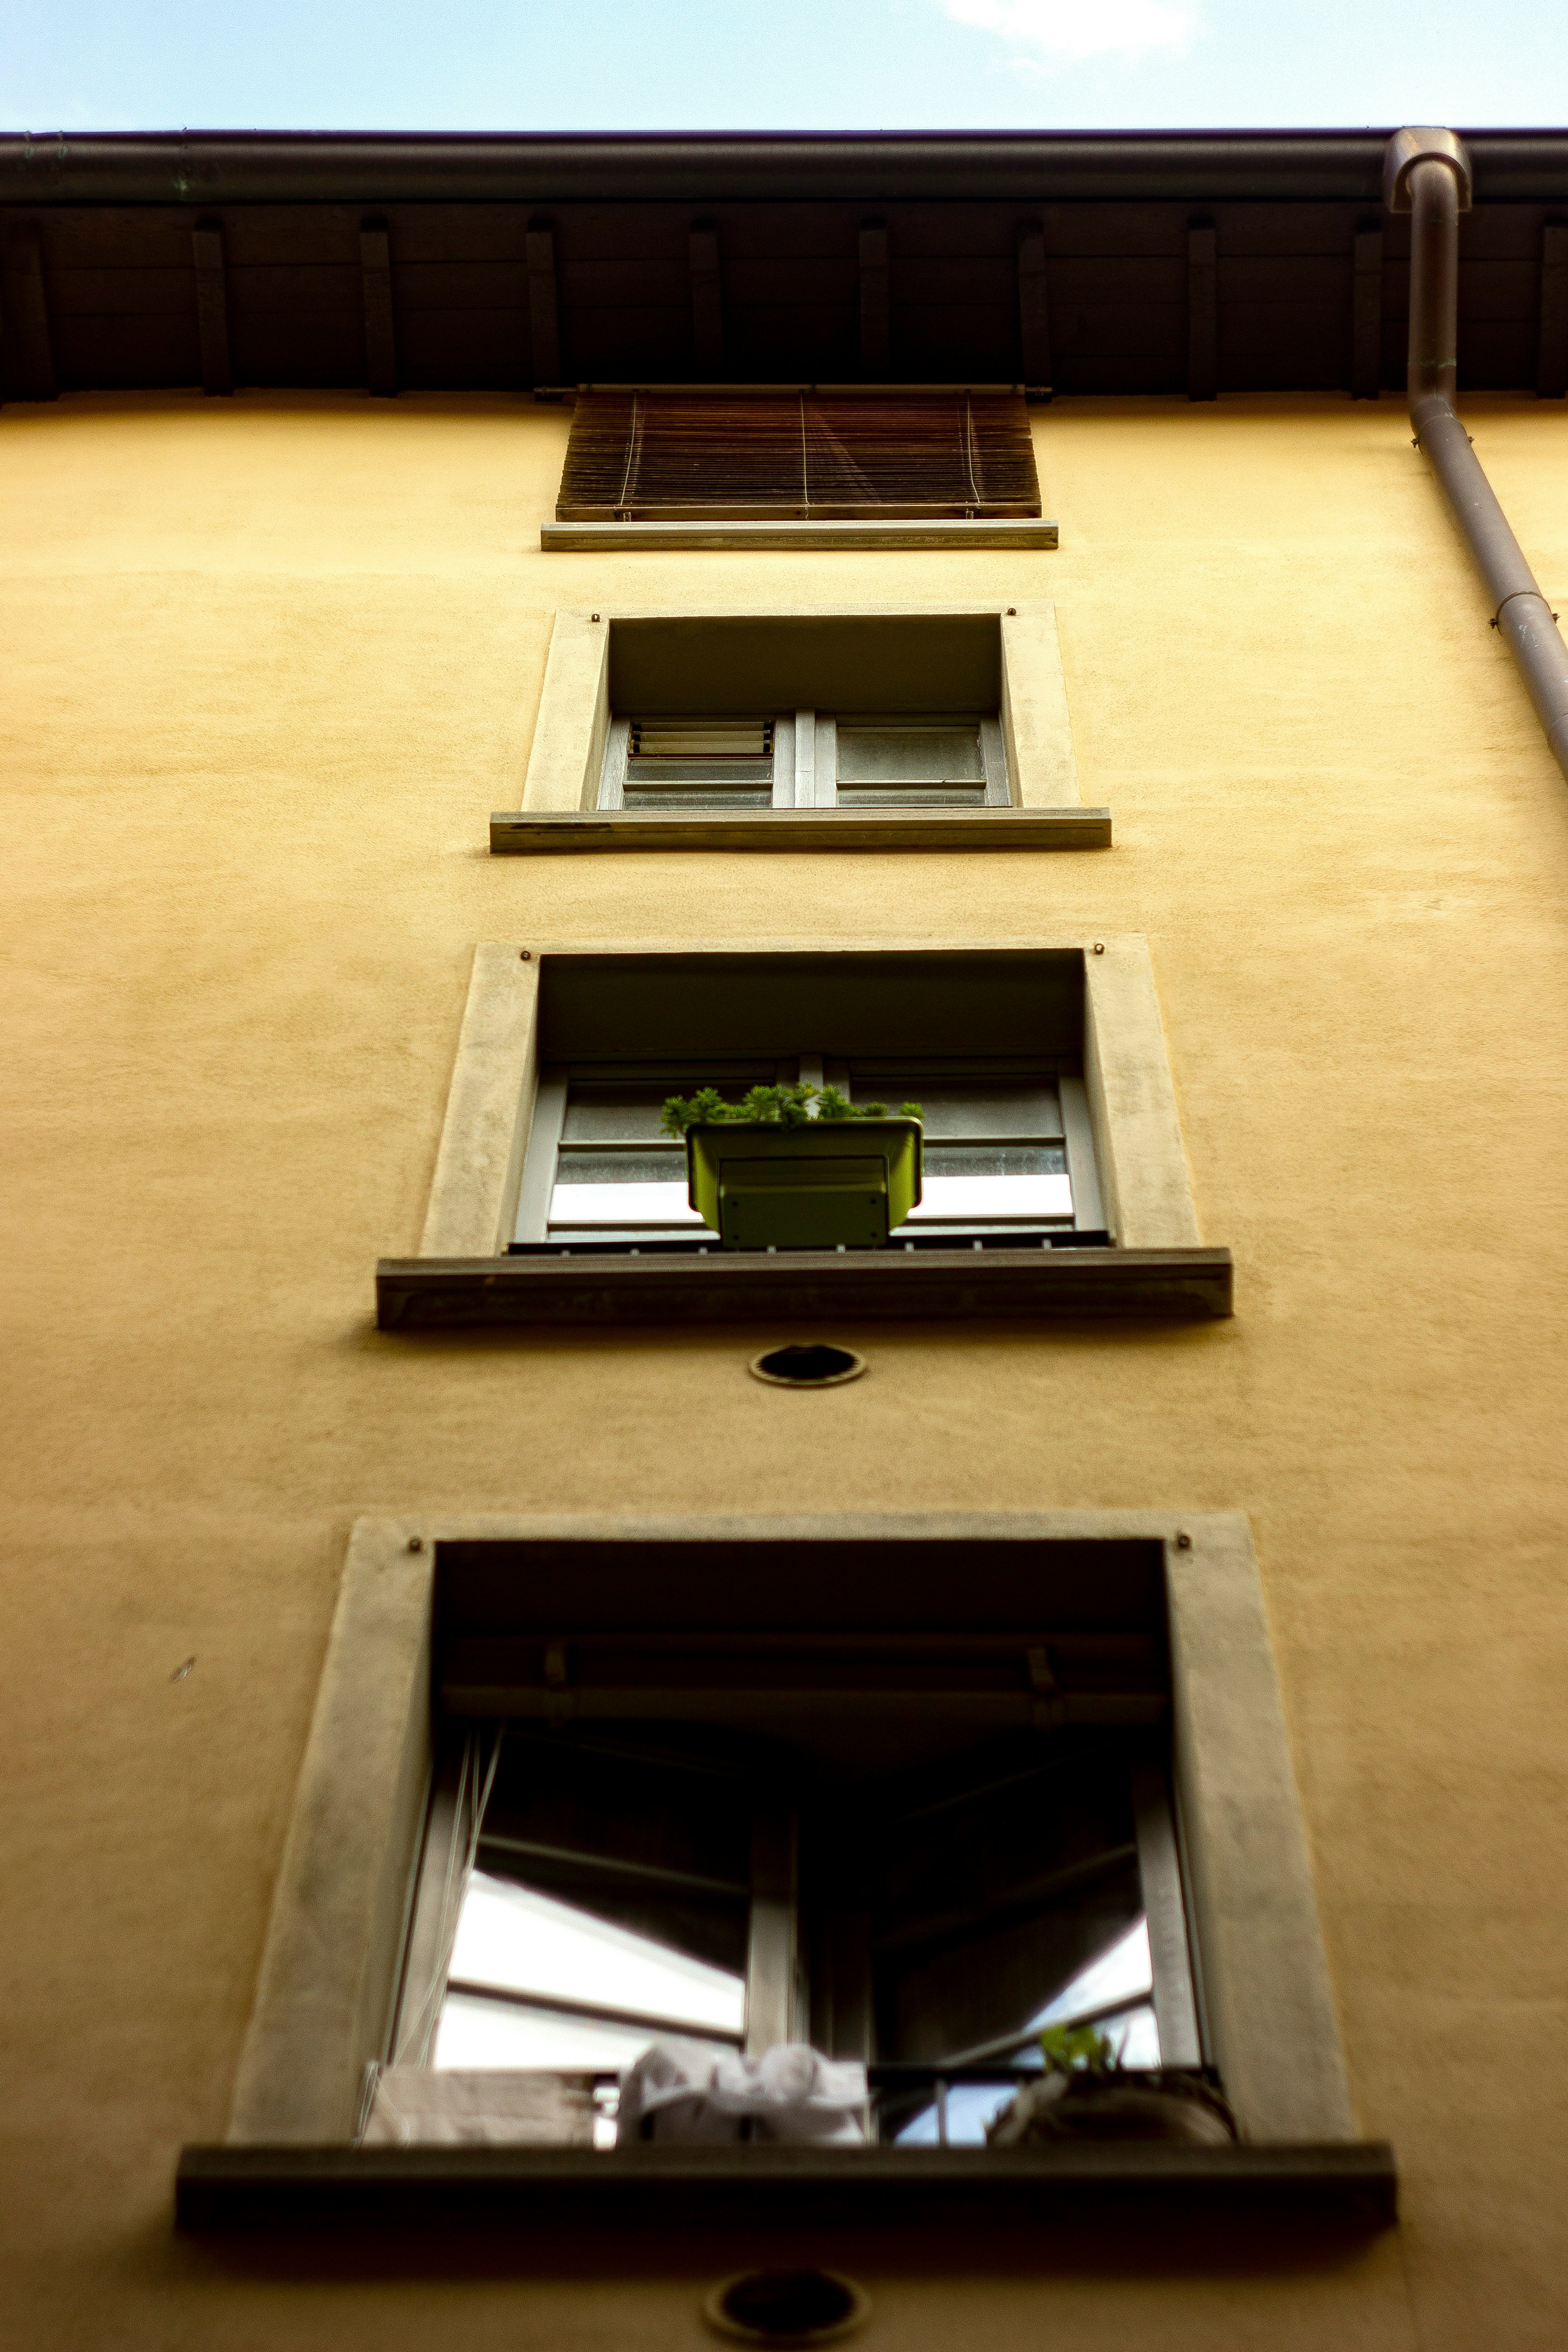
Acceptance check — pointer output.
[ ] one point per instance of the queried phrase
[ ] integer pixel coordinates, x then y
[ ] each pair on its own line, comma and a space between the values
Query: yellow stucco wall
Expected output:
268, 664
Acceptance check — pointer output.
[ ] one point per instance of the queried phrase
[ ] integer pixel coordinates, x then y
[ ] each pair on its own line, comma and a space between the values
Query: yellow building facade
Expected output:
272, 662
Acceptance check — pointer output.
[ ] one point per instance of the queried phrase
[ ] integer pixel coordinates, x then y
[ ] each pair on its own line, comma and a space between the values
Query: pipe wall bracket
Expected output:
1412, 146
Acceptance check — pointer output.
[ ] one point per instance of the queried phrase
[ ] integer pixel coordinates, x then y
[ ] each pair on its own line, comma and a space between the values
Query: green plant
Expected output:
1079, 2050
770, 1107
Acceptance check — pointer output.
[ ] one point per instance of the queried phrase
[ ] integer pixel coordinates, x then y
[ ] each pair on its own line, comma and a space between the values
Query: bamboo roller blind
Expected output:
672, 456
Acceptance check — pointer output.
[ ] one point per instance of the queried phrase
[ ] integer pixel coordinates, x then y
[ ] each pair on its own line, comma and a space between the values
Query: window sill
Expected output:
520, 833
1002, 530
726, 1286
546, 2189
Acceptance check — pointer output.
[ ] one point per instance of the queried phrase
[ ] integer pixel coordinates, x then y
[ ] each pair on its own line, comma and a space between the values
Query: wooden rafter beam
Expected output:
1203, 312
212, 307
874, 300
26, 311
543, 303
1366, 349
707, 296
1552, 349
380, 320
1034, 310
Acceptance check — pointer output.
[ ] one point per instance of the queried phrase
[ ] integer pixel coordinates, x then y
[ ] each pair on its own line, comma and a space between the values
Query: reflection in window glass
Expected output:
609, 1904
620, 1188
514, 1940
976, 1182
872, 755
1122, 1972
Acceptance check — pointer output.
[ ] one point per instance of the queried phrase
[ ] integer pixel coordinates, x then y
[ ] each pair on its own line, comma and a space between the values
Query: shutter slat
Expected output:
672, 456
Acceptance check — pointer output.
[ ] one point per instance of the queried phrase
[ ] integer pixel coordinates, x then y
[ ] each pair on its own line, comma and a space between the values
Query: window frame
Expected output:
343, 1894
779, 1999
804, 759
552, 1094
1128, 1101
1041, 808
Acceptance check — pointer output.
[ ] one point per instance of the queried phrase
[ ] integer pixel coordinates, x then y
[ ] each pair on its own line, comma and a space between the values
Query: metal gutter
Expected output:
1427, 174
325, 167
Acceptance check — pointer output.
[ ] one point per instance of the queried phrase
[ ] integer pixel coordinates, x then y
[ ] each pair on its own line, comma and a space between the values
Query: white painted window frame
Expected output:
541, 1157
805, 761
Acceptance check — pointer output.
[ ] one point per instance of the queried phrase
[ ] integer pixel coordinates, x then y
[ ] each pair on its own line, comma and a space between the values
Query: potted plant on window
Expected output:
798, 1167
1086, 2093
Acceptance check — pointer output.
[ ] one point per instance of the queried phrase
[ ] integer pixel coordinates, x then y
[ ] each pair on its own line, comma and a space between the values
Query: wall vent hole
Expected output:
785, 2307
816, 1365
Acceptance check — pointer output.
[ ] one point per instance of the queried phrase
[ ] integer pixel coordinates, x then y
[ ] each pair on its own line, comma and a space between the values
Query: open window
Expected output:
915, 1849
917, 1786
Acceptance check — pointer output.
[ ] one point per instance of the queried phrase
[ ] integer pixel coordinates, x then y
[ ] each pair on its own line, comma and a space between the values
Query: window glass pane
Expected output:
620, 1188
1123, 1971
984, 1181
994, 1896
646, 1831
994, 1108
511, 1936
868, 755
904, 795
607, 1110
695, 793
479, 2032
606, 1113
612, 1892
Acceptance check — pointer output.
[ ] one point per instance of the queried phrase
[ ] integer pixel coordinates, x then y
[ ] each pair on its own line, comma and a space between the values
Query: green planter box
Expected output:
761, 1185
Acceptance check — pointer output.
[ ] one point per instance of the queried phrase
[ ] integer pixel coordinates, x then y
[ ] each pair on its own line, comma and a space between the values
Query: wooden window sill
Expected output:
1001, 531
521, 833
743, 1286
542, 2190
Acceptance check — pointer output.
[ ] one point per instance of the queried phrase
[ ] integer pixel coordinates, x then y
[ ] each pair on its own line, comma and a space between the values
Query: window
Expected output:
692, 718
922, 1892
806, 759
1008, 1153
666, 456
1058, 1182
980, 1697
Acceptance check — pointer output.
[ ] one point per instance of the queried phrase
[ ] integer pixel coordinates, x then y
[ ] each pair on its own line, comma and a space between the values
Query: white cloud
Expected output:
1082, 29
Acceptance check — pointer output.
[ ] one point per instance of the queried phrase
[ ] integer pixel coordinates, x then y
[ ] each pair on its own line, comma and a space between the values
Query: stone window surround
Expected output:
330, 1964
1143, 1176
567, 755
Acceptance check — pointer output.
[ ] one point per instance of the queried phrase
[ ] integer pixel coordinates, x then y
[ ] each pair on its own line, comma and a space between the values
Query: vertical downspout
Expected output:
1427, 174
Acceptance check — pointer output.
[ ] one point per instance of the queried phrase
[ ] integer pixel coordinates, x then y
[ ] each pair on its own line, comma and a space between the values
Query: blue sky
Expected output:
583, 65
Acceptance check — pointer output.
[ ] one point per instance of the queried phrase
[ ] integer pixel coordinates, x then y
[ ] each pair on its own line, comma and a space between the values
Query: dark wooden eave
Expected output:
1086, 263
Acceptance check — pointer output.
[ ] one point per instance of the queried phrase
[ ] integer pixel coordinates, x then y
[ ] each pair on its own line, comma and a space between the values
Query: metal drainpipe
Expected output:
1427, 174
